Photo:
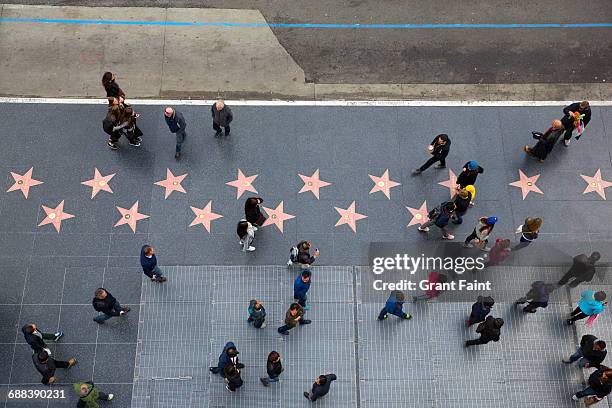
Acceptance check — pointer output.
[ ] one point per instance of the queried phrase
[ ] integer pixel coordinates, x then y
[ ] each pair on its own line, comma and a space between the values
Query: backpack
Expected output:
293, 254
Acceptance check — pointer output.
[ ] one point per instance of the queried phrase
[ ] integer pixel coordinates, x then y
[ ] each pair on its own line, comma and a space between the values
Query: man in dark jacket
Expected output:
47, 365
469, 174
107, 305
462, 201
569, 121
176, 124
438, 149
231, 375
222, 117
537, 296
480, 310
229, 355
301, 285
303, 256
590, 353
394, 306
440, 217
489, 330
582, 270
600, 385
321, 386
293, 317
148, 261
36, 339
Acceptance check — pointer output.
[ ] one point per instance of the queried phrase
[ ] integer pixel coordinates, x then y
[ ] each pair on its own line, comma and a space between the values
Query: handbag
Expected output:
591, 400
537, 135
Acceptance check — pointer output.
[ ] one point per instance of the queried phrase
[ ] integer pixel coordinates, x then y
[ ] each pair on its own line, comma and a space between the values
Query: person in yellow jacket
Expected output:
89, 395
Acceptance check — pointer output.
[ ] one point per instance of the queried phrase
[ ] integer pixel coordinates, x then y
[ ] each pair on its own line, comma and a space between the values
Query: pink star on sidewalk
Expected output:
596, 184
277, 216
99, 183
55, 216
243, 184
130, 217
24, 182
313, 183
204, 216
172, 183
349, 216
419, 215
383, 184
527, 184
451, 183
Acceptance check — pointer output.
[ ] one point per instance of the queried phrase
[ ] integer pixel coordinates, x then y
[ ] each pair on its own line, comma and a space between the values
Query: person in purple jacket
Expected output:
148, 261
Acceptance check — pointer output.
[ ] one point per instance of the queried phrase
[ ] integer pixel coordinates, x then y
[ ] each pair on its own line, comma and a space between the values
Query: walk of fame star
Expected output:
204, 216
99, 183
55, 216
349, 216
172, 183
383, 184
527, 184
276, 216
596, 184
130, 217
243, 183
24, 182
419, 215
313, 183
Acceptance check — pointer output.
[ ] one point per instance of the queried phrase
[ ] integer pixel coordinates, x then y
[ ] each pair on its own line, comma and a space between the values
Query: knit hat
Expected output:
472, 165
491, 220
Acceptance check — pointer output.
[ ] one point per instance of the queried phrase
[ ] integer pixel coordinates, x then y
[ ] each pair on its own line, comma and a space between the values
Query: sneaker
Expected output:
240, 242
98, 321
112, 145
213, 370
566, 361
110, 397
575, 397
468, 245
177, 155
384, 318
408, 316
569, 322
58, 335
251, 249
449, 237
471, 204
285, 333
289, 262
526, 149
307, 307
486, 249
228, 388
307, 395
52, 380
126, 309
72, 362
135, 143
263, 325
423, 229
264, 381
566, 143
227, 134
439, 166
240, 365
121, 313
218, 133
416, 172
162, 279
305, 321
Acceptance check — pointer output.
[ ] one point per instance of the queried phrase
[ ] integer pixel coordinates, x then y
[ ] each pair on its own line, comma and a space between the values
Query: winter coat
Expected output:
588, 305
234, 381
258, 315
546, 143
568, 122
582, 268
148, 264
442, 219
292, 321
497, 253
47, 369
595, 358
602, 389
480, 311
468, 177
224, 359
462, 204
222, 117
274, 369
393, 305
300, 288
440, 151
91, 399
176, 123
105, 305
490, 331
35, 340
254, 215
538, 293
304, 256
319, 391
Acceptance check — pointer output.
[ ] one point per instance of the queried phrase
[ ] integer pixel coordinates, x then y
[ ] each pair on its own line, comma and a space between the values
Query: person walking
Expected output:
576, 116
148, 261
293, 317
435, 281
176, 124
113, 127
109, 82
246, 233
320, 388
599, 386
481, 233
301, 286
480, 310
300, 254
438, 149
257, 314
274, 368
89, 395
582, 270
222, 117
231, 375
107, 305
131, 130
252, 212
462, 201
36, 339
545, 141
528, 232
590, 305
469, 174
47, 365
395, 306
440, 216
499, 252
489, 330
591, 352
229, 355
537, 296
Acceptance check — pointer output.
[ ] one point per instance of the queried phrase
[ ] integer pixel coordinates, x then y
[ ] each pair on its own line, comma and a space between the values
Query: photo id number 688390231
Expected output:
36, 394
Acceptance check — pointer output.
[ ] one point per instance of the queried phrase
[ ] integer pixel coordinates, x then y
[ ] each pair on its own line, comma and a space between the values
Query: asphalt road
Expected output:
466, 56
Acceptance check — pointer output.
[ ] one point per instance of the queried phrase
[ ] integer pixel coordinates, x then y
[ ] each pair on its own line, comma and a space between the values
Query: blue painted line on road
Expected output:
302, 25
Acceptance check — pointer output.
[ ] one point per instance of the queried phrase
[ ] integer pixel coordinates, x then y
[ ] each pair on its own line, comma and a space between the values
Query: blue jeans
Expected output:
586, 392
578, 355
102, 317
157, 272
273, 378
180, 138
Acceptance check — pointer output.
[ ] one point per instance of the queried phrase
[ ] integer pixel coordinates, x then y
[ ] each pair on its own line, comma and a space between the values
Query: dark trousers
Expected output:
568, 132
102, 397
533, 306
300, 299
471, 237
218, 128
383, 313
577, 315
473, 319
256, 323
431, 161
522, 244
478, 341
567, 277
181, 135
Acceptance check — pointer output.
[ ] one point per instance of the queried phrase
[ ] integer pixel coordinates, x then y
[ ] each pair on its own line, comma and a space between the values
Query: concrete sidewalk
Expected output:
168, 61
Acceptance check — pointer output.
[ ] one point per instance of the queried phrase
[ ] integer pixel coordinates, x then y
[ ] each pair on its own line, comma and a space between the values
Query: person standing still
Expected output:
570, 122
257, 314
301, 286
176, 124
274, 368
148, 261
438, 149
222, 117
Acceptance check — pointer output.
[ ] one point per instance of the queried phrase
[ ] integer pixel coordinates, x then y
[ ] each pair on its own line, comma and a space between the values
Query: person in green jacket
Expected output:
89, 395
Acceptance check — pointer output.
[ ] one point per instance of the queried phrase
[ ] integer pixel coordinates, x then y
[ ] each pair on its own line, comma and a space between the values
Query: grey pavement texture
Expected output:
49, 277
426, 56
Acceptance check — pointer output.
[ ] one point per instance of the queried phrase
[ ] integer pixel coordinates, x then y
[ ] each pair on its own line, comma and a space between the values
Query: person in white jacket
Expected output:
481, 233
246, 233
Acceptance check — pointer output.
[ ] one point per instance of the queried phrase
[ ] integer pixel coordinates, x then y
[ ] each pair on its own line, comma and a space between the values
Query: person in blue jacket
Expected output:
301, 286
229, 355
590, 303
394, 306
148, 261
